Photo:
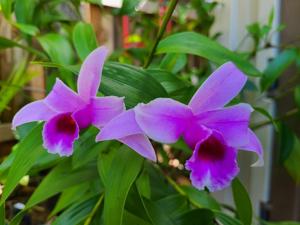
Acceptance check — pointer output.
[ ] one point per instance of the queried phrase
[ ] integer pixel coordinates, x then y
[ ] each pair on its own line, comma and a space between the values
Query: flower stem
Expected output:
161, 31
90, 217
287, 115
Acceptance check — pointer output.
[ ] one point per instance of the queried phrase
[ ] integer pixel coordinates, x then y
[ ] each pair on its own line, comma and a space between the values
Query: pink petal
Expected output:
213, 163
232, 122
63, 99
221, 87
163, 119
59, 134
34, 111
254, 145
84, 116
121, 126
195, 133
90, 73
141, 144
106, 108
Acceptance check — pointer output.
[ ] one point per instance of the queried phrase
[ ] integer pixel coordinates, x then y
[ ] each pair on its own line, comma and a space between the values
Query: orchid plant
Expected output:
112, 138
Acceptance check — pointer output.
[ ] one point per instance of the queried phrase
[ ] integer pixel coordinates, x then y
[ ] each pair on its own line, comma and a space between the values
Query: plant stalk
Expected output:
161, 31
287, 115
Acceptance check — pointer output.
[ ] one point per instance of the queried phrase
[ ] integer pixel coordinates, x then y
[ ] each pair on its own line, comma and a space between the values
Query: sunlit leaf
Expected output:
173, 62
84, 39
27, 28
197, 44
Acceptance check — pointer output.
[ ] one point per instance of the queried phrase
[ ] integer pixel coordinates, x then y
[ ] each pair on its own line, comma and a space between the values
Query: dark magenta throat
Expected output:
66, 124
212, 149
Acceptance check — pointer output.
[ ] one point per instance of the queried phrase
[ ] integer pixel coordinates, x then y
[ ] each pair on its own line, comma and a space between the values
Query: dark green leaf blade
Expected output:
132, 82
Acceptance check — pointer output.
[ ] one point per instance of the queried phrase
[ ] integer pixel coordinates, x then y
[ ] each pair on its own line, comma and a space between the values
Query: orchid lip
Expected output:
211, 150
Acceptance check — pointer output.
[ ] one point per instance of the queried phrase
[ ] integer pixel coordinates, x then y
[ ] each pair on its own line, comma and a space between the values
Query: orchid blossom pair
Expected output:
214, 132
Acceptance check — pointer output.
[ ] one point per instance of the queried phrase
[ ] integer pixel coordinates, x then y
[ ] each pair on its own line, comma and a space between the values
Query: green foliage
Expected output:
277, 67
84, 39
23, 160
292, 162
242, 202
287, 142
297, 96
132, 82
124, 168
6, 7
197, 44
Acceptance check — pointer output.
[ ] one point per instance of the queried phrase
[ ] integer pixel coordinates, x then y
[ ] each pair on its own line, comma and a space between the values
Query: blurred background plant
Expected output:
43, 40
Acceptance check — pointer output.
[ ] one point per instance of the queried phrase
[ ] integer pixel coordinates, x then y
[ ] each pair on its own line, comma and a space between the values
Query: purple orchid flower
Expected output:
213, 132
66, 112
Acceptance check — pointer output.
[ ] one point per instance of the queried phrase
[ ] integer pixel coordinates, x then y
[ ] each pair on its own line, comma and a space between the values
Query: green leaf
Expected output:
173, 62
268, 115
173, 205
15, 82
5, 7
169, 81
196, 217
242, 202
27, 28
57, 47
157, 216
276, 67
281, 223
24, 10
76, 213
131, 219
197, 44
60, 51
7, 43
200, 198
27, 152
118, 182
143, 184
226, 219
292, 162
2, 214
60, 178
297, 96
132, 82
84, 39
86, 149
69, 196
287, 140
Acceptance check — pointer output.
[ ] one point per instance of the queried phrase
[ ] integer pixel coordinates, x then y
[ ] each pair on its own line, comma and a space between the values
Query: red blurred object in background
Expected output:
127, 43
